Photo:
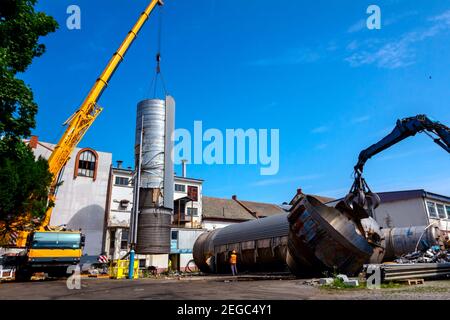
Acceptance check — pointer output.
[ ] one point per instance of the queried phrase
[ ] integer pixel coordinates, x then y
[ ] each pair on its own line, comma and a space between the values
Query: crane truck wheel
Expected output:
23, 275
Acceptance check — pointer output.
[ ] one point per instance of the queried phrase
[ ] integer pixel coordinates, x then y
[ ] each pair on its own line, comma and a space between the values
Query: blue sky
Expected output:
308, 68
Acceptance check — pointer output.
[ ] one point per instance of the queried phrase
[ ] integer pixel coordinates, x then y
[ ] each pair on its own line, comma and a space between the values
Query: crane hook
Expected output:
158, 61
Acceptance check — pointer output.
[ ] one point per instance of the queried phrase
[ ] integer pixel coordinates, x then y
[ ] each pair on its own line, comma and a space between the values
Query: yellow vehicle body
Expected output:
54, 253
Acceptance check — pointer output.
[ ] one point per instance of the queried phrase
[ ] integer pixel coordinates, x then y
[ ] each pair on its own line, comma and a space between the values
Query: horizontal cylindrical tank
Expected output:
153, 234
261, 245
314, 239
151, 113
400, 241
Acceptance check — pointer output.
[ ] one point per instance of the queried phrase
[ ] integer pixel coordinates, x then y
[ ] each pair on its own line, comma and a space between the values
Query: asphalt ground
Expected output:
214, 288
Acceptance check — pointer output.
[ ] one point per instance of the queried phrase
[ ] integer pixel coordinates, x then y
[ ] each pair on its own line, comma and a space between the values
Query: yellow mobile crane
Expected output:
49, 249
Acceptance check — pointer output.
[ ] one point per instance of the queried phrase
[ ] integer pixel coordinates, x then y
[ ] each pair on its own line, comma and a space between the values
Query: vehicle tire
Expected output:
58, 273
23, 275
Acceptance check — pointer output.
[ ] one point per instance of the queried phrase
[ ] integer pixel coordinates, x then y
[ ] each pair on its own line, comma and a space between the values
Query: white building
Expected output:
413, 208
81, 199
186, 220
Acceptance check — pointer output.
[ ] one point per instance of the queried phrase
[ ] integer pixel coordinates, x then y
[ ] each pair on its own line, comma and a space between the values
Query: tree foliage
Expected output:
24, 181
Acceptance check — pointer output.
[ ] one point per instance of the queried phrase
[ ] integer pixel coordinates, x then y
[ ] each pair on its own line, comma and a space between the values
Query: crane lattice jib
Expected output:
82, 119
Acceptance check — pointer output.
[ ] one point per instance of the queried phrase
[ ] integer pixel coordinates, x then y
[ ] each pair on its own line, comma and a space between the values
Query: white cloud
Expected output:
321, 146
360, 119
400, 52
320, 129
334, 193
270, 182
353, 45
362, 23
357, 26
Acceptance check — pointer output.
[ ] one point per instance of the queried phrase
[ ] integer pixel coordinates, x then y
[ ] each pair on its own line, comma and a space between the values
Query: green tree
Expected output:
24, 181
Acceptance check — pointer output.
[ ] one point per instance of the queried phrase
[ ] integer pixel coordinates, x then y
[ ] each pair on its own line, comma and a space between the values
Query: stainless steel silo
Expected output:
154, 200
400, 241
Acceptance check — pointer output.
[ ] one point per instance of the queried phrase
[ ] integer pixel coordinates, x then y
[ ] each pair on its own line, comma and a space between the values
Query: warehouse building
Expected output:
413, 208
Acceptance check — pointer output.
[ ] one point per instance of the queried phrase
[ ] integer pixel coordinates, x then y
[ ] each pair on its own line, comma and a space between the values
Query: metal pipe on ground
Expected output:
394, 272
400, 241
311, 239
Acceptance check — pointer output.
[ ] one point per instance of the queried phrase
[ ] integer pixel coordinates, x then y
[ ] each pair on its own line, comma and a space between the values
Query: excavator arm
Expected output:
360, 195
405, 128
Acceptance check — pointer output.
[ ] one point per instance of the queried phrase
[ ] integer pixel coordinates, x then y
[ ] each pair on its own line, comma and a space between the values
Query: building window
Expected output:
192, 193
180, 187
121, 181
432, 209
441, 211
447, 208
192, 211
174, 235
124, 239
86, 164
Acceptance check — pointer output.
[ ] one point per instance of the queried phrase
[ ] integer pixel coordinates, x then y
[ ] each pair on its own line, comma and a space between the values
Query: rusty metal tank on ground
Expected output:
322, 238
400, 241
261, 245
314, 239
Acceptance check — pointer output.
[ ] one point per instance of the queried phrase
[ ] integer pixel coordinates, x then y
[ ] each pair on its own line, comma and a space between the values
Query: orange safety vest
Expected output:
233, 258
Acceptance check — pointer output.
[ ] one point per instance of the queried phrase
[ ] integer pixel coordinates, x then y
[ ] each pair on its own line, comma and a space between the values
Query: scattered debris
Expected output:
340, 281
352, 283
326, 281
433, 255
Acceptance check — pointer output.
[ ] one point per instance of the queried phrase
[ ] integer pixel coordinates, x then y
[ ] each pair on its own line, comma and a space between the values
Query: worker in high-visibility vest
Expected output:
233, 262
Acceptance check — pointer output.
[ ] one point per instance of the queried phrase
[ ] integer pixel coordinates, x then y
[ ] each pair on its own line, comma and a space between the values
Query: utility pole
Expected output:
135, 212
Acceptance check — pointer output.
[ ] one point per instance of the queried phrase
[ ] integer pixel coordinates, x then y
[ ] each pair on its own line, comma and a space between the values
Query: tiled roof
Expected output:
226, 209
320, 198
263, 209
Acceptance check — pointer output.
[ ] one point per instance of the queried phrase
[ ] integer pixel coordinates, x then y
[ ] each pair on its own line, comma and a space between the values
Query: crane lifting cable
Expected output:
158, 75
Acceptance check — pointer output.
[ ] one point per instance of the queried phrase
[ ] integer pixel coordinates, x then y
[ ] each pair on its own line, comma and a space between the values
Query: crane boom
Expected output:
82, 119
360, 195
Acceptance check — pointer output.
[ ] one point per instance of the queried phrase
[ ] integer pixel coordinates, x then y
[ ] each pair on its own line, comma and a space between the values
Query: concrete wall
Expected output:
403, 213
184, 260
160, 261
211, 224
80, 202
187, 237
120, 216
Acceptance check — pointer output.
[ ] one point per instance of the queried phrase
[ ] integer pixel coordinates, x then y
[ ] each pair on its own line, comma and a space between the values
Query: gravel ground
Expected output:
215, 288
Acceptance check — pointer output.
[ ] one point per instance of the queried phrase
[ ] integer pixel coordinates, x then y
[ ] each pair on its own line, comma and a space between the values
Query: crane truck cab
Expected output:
51, 252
